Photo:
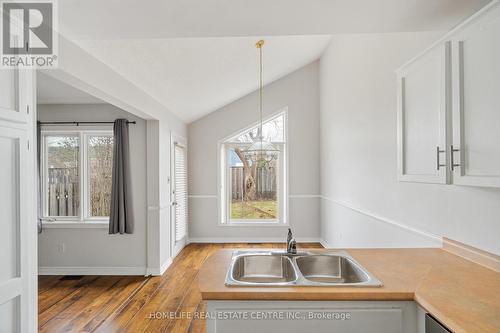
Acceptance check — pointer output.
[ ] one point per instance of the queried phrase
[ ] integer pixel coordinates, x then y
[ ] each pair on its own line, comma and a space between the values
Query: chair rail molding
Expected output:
432, 237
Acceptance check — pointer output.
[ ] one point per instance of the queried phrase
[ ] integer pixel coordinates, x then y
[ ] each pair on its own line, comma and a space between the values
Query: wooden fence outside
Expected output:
63, 192
266, 183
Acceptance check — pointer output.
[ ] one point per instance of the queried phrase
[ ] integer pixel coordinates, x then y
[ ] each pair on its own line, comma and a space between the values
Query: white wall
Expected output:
298, 91
82, 71
363, 204
94, 249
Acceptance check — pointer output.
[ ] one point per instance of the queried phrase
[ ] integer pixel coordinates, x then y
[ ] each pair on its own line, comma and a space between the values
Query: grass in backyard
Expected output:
262, 209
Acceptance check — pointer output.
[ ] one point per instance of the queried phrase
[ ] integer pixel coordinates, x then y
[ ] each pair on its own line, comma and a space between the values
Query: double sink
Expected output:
280, 268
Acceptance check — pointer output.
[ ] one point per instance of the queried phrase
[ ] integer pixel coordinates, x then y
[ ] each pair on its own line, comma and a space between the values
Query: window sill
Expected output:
255, 224
76, 225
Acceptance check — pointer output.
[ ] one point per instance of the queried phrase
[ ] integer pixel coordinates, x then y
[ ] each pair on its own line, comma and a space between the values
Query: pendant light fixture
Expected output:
261, 150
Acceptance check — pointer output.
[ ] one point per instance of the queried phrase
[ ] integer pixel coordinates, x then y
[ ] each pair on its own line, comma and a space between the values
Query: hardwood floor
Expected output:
132, 303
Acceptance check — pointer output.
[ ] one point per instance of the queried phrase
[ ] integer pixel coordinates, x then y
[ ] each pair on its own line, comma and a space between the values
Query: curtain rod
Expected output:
77, 123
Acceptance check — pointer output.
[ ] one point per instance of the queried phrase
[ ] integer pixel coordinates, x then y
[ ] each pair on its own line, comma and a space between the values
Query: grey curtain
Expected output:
121, 219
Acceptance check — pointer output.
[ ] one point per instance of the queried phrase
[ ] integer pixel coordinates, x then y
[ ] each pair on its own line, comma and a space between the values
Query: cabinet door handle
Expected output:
438, 162
452, 159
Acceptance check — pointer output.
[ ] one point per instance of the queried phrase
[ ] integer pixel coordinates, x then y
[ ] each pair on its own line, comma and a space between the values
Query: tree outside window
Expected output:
254, 188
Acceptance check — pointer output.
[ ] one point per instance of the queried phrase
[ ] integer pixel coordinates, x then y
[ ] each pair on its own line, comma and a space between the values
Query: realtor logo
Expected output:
28, 34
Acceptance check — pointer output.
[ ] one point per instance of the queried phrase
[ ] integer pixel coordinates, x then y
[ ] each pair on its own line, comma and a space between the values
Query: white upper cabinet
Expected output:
423, 102
449, 107
476, 102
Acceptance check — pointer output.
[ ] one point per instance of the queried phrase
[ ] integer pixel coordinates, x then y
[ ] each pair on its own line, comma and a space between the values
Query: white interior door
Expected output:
423, 102
17, 248
179, 194
476, 106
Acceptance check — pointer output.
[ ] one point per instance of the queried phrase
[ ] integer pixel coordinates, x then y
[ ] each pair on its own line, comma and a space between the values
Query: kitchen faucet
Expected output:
291, 244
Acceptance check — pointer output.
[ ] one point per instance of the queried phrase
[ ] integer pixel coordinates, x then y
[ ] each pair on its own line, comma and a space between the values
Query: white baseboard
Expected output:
165, 265
91, 270
251, 240
157, 271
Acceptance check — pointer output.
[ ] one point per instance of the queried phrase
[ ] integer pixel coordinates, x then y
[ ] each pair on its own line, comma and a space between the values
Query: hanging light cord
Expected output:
256, 151
259, 45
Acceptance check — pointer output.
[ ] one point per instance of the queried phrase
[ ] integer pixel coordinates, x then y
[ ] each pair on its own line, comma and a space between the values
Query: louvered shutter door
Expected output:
180, 192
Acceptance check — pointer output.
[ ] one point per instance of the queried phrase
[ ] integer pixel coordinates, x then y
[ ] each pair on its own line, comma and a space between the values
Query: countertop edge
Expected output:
286, 296
419, 290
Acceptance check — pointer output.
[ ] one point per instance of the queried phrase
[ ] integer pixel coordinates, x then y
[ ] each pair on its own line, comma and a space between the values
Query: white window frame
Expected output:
84, 218
224, 180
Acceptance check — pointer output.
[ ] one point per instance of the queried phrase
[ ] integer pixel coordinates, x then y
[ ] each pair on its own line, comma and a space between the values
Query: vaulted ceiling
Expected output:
195, 56
120, 19
195, 76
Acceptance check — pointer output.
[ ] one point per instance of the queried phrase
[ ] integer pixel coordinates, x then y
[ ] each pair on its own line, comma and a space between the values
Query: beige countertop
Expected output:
461, 294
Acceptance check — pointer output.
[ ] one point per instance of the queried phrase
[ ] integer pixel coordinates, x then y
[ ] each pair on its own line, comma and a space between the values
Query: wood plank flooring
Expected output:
132, 303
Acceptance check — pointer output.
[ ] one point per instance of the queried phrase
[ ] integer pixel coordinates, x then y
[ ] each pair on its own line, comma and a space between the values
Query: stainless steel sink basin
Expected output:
263, 269
330, 269
279, 268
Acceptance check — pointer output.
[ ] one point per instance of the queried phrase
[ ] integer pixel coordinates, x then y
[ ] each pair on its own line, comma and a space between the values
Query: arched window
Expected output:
254, 191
